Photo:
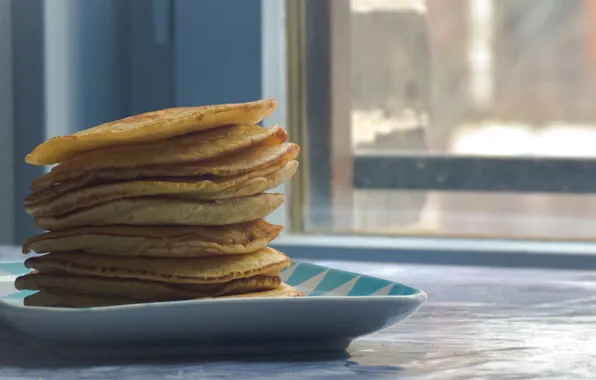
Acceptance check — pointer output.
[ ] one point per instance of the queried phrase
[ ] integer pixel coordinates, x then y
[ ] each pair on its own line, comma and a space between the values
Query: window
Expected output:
431, 130
464, 118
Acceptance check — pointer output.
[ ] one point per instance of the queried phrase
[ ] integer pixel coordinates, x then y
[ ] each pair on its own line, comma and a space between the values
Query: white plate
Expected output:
340, 306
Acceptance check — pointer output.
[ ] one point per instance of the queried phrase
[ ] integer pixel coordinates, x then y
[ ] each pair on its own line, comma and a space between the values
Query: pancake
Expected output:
265, 179
143, 290
190, 148
150, 126
255, 185
167, 211
70, 300
46, 298
205, 270
158, 241
283, 290
218, 173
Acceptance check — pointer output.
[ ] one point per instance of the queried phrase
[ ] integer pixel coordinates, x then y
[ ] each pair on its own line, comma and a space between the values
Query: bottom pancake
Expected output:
142, 290
55, 299
69, 300
283, 290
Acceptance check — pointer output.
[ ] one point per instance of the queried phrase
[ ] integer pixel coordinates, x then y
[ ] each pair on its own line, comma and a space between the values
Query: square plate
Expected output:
339, 307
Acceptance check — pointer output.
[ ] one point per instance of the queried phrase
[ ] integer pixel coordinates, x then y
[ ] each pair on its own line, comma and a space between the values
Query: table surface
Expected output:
479, 323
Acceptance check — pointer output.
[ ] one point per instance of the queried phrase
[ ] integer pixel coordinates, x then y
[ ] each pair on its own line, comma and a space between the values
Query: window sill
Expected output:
440, 251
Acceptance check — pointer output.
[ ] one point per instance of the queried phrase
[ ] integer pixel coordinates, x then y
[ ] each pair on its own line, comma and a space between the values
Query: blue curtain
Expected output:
78, 63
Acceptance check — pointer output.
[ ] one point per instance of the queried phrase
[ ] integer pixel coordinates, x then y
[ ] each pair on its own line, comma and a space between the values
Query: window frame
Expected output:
7, 159
278, 61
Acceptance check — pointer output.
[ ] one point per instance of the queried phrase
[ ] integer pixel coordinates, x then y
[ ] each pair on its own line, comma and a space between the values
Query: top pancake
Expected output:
185, 149
150, 126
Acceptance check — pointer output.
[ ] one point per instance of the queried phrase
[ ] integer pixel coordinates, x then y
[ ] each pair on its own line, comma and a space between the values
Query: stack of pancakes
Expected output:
166, 205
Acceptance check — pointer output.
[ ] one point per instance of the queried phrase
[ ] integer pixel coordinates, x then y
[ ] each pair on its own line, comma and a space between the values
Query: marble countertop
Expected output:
480, 323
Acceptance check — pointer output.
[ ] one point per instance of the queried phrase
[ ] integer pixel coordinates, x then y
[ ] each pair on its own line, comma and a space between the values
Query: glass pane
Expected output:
490, 78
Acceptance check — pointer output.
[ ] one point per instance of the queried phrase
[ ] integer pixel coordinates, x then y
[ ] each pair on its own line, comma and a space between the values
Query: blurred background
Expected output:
495, 78
459, 118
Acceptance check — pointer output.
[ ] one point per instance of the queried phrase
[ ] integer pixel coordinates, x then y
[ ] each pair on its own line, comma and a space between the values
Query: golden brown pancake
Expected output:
221, 172
255, 185
283, 290
266, 179
71, 300
204, 270
167, 211
150, 126
45, 298
158, 241
161, 206
184, 149
145, 290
